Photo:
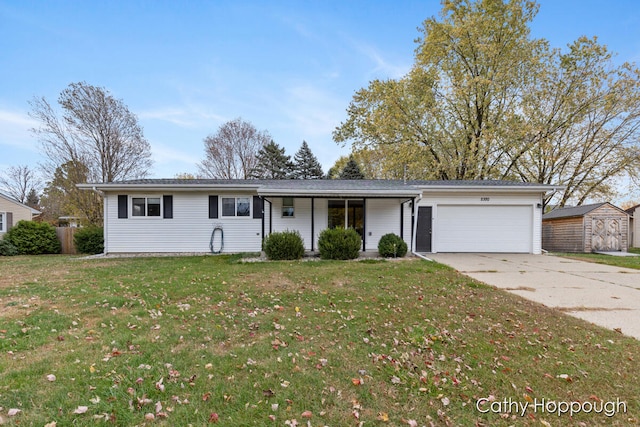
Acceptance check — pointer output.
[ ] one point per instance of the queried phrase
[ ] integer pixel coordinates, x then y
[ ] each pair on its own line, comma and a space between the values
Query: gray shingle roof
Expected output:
572, 211
315, 186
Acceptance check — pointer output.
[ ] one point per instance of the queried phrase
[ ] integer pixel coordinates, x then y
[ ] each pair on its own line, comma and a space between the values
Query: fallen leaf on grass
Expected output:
383, 416
81, 410
214, 417
51, 377
306, 414
13, 412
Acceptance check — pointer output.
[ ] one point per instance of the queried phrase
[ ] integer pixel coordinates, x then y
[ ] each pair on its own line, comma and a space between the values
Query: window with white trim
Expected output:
145, 206
288, 209
3, 222
236, 206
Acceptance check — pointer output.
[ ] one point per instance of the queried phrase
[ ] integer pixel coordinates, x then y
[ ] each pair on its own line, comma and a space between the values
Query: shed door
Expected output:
487, 228
606, 234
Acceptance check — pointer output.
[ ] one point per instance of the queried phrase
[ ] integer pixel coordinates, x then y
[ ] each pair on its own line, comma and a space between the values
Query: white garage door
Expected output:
483, 229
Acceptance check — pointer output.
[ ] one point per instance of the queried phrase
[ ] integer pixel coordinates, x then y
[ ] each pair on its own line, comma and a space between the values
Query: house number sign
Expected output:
484, 199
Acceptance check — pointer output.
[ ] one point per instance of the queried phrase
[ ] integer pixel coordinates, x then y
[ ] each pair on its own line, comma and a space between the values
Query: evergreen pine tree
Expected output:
351, 170
272, 163
306, 165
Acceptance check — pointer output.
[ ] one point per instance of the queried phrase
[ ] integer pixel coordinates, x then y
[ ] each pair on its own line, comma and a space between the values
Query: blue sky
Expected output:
186, 67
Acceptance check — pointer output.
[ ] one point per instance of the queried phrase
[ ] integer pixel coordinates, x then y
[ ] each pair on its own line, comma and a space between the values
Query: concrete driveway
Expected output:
605, 295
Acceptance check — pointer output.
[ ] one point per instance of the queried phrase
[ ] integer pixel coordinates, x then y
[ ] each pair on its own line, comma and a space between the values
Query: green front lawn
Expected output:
619, 261
204, 340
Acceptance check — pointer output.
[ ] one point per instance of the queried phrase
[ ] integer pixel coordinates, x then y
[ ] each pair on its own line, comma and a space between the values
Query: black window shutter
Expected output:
9, 221
123, 210
167, 206
257, 207
213, 206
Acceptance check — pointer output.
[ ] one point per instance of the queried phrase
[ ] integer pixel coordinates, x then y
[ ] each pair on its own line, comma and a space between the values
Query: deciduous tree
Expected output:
231, 153
61, 197
94, 130
19, 182
484, 100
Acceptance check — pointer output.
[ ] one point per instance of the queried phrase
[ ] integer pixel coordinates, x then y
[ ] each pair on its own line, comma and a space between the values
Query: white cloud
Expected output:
190, 116
312, 111
15, 132
383, 67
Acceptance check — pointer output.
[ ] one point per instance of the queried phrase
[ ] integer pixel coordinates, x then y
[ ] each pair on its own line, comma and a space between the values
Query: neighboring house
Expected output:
587, 228
175, 215
634, 226
12, 211
69, 221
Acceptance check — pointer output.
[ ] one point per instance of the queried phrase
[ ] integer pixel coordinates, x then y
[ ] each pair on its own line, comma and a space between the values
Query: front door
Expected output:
423, 232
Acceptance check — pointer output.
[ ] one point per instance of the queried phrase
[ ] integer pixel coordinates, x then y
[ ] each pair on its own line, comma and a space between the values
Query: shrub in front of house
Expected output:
7, 248
285, 245
392, 246
34, 238
339, 243
89, 240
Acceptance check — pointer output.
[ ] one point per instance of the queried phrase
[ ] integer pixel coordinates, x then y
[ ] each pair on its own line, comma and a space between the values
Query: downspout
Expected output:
105, 213
270, 217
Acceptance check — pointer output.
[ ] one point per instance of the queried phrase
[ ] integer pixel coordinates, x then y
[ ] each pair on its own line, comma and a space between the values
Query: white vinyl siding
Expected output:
188, 231
300, 222
383, 217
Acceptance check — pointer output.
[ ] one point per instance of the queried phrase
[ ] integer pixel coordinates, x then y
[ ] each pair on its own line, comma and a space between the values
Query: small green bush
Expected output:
392, 246
89, 240
339, 243
284, 245
34, 238
7, 248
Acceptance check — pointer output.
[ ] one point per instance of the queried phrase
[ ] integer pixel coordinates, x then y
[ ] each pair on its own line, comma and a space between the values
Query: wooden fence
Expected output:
65, 235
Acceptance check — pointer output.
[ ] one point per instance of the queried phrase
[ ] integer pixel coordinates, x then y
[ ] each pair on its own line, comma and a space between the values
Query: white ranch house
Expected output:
175, 215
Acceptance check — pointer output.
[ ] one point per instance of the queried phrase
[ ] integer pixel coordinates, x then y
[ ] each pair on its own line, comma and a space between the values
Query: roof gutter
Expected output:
165, 187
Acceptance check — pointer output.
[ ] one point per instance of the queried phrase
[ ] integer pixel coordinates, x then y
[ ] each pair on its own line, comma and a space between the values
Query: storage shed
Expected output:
587, 228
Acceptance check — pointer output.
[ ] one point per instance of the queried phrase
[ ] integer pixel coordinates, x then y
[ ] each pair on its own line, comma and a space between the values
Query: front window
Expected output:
3, 221
346, 214
287, 207
236, 206
145, 206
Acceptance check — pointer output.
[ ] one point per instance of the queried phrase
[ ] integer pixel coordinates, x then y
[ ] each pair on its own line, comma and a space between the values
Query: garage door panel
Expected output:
472, 228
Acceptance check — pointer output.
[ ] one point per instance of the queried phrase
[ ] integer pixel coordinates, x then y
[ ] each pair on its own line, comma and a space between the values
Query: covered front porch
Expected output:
371, 215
